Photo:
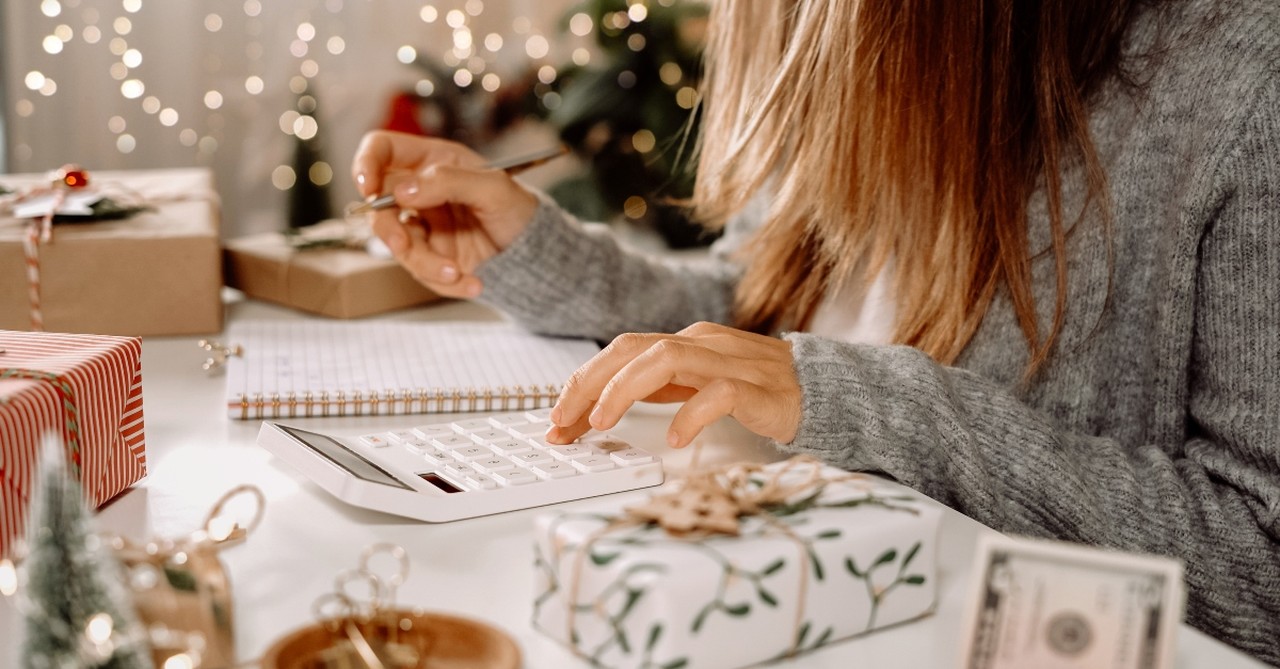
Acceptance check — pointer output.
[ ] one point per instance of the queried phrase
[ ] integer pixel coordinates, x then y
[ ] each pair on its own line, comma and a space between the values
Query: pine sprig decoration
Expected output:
77, 612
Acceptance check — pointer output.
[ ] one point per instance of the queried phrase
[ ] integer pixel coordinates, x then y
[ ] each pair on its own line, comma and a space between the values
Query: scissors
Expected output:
362, 605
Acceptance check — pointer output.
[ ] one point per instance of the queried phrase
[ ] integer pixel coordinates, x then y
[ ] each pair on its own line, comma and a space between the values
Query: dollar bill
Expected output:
1050, 605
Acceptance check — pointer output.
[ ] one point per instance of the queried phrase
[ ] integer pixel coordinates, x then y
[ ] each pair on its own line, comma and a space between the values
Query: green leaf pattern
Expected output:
619, 599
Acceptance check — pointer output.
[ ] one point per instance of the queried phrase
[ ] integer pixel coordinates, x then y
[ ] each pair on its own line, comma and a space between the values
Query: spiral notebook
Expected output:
308, 368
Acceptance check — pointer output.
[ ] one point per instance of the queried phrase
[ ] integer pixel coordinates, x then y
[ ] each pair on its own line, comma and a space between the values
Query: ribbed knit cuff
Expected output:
839, 416
534, 272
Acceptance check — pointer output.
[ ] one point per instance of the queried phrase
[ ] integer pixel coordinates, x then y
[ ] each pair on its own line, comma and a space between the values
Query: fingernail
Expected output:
407, 189
597, 417
474, 290
555, 415
449, 273
673, 439
360, 179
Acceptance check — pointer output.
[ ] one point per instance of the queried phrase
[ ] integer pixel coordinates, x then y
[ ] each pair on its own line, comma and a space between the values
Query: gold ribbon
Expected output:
714, 501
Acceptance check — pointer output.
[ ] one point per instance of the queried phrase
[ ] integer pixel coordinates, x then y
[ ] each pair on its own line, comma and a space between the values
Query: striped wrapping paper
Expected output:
87, 388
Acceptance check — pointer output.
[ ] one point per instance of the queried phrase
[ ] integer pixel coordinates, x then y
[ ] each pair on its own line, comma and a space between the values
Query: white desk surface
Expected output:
479, 567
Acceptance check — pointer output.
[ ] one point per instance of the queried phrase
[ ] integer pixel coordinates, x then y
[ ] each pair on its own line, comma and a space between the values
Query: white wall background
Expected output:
136, 84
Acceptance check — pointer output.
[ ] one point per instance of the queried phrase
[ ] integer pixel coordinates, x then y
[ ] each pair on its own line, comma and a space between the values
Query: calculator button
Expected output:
489, 435
631, 456
606, 442
594, 463
452, 441
508, 419
554, 470
532, 458
416, 445
479, 481
437, 457
514, 477
375, 440
472, 453
510, 447
529, 429
491, 465
541, 442
538, 415
458, 471
551, 448
432, 431
401, 436
472, 424
570, 452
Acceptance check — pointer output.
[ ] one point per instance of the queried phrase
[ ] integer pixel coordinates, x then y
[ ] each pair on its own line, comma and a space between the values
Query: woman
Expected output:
1026, 257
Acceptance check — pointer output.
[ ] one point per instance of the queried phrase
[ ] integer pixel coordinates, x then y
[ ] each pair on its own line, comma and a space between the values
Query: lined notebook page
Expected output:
299, 368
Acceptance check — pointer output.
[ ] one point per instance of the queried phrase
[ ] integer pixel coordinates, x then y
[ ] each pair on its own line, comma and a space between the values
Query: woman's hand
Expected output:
453, 213
715, 370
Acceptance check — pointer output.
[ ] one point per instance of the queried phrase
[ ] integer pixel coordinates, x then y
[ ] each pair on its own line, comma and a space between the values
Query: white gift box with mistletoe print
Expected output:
856, 555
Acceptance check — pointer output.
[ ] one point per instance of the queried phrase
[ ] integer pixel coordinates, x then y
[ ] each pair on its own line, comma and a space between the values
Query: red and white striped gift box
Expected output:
87, 389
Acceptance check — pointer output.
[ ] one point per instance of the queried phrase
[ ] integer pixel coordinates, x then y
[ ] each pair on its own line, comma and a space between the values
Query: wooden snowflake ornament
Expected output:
701, 506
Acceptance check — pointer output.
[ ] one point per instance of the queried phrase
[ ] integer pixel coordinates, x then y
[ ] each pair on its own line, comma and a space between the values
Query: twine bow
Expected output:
714, 501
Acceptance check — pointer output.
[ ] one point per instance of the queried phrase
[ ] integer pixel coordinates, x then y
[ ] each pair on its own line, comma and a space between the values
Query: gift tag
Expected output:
74, 203
1064, 606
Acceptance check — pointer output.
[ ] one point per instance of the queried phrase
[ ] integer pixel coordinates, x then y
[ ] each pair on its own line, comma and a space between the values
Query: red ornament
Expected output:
71, 176
402, 115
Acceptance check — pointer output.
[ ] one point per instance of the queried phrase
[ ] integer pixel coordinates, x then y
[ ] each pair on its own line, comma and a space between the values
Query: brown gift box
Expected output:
336, 282
155, 273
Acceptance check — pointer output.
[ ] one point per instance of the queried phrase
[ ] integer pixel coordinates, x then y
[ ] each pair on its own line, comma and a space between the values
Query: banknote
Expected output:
1049, 605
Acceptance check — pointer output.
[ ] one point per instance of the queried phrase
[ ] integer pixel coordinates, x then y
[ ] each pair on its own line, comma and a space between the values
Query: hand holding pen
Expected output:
462, 210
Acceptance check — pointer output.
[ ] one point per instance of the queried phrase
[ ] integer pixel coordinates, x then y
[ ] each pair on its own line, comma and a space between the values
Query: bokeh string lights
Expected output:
197, 82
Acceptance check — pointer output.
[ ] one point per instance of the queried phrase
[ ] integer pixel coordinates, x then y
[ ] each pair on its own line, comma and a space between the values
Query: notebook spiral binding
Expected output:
390, 402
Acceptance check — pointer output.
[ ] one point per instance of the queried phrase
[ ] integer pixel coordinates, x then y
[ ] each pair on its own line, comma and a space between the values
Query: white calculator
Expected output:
467, 468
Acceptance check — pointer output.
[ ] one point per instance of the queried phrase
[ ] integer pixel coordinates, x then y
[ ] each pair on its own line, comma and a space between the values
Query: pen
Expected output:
512, 166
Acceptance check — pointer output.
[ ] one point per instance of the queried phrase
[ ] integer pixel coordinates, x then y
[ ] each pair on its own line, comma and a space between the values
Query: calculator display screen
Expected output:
344, 457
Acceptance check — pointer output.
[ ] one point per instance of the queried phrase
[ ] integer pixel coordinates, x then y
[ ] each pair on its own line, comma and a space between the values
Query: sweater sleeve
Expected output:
562, 277
1213, 500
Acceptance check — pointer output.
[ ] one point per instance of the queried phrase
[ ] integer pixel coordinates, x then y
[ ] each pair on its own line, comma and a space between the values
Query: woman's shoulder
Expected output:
1240, 39
1203, 65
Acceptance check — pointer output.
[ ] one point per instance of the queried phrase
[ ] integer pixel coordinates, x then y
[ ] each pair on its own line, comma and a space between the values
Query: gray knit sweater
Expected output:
1155, 427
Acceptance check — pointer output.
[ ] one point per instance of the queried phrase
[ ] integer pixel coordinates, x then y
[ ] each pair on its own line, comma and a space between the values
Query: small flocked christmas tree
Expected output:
78, 614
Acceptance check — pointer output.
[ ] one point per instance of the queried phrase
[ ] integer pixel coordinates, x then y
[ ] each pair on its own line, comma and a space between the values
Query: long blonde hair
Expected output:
906, 129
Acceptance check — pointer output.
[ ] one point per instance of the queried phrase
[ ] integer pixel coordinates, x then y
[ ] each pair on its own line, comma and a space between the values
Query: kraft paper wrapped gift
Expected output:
155, 273
87, 389
852, 555
334, 282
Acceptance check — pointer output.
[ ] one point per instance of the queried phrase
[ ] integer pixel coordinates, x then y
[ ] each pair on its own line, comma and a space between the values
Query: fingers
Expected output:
568, 433
381, 152
717, 371
411, 246
582, 389
502, 206
669, 362
755, 407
